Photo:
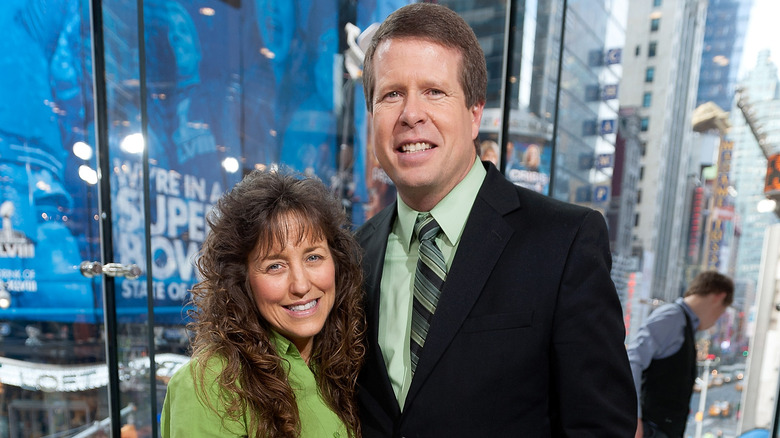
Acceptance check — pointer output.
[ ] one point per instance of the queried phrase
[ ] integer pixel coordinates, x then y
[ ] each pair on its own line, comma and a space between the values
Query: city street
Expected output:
725, 425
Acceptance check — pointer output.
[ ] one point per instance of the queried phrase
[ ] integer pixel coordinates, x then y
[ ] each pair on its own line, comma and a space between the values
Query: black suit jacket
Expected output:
527, 339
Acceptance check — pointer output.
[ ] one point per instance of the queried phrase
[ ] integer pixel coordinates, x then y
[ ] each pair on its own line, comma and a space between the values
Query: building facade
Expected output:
760, 91
724, 37
660, 77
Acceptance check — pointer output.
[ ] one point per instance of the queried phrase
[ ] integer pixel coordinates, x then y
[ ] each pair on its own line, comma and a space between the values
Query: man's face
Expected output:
715, 308
423, 131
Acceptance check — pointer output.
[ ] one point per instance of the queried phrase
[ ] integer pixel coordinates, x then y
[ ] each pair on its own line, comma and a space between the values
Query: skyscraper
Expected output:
724, 38
661, 65
761, 92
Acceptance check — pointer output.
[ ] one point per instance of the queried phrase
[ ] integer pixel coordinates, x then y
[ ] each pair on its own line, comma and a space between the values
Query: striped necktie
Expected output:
428, 282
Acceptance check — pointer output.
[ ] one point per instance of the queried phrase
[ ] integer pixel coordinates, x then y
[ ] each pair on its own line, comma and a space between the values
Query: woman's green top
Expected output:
185, 415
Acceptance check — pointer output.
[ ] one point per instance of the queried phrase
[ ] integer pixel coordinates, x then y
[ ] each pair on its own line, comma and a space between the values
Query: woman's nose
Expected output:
299, 281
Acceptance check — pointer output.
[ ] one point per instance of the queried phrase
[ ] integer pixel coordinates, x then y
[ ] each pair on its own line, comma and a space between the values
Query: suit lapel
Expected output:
484, 238
373, 239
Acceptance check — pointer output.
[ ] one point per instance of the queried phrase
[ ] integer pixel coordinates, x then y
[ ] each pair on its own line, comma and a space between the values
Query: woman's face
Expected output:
295, 288
532, 157
183, 38
489, 154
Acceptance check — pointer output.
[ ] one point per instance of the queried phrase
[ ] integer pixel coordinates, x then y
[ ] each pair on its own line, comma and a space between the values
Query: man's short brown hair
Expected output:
712, 282
437, 24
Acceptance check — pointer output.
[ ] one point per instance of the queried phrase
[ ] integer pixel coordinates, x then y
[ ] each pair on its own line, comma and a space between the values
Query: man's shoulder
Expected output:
544, 209
666, 313
548, 201
376, 223
497, 190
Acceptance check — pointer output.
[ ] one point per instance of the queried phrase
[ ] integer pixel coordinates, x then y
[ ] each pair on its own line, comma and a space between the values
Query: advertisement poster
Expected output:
231, 85
528, 165
47, 224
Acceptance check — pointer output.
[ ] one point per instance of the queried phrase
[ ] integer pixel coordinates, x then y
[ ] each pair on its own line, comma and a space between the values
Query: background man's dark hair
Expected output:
712, 282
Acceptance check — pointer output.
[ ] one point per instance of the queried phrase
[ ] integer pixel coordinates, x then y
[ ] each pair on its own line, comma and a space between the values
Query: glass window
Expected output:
651, 49
656, 3
647, 99
655, 23
644, 124
53, 370
649, 74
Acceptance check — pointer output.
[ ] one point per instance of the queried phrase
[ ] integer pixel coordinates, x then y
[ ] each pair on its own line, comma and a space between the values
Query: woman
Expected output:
488, 151
278, 318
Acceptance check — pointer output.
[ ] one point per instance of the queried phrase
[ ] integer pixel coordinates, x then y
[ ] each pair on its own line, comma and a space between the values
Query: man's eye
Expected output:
392, 95
435, 92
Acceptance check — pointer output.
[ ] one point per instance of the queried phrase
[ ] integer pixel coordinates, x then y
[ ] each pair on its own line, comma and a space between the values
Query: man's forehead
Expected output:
388, 44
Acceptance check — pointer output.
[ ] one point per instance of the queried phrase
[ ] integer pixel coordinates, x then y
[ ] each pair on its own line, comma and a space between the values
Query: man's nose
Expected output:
414, 111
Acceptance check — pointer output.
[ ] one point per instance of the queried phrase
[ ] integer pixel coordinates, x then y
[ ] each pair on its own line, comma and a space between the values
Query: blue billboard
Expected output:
229, 86
46, 228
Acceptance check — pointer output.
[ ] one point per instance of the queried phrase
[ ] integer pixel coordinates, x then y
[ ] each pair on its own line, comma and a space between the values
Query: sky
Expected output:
763, 33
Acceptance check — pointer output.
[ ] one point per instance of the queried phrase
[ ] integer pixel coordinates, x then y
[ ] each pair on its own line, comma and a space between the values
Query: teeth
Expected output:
415, 147
303, 307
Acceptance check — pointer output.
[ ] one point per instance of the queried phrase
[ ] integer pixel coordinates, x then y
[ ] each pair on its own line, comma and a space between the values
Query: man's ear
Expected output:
476, 118
370, 134
720, 297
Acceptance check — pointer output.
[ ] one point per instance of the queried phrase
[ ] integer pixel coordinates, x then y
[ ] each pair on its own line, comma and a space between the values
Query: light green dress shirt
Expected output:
184, 416
397, 287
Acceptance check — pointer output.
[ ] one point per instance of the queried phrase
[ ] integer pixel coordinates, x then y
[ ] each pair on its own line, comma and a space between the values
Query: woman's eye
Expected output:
314, 257
273, 267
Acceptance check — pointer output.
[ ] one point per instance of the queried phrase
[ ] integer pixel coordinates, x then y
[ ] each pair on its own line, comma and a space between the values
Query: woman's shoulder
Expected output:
190, 412
195, 369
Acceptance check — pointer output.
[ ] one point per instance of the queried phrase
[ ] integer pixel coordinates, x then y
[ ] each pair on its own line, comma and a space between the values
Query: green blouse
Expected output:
183, 414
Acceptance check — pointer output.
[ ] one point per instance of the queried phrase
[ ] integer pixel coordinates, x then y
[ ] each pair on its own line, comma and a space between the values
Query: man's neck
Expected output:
422, 203
423, 199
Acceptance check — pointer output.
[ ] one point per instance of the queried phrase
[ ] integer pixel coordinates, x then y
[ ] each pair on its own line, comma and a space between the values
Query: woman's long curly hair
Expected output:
264, 210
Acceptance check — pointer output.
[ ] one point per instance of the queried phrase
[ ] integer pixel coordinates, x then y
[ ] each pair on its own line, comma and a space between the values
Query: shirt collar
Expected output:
283, 345
690, 313
449, 212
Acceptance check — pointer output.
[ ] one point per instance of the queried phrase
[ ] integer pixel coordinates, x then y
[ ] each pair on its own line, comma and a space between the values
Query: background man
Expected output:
499, 317
663, 356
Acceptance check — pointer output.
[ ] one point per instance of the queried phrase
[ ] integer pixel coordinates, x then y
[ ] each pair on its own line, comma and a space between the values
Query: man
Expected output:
526, 336
663, 356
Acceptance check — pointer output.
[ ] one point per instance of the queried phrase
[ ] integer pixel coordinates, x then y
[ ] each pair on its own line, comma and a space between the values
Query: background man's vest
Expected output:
667, 386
